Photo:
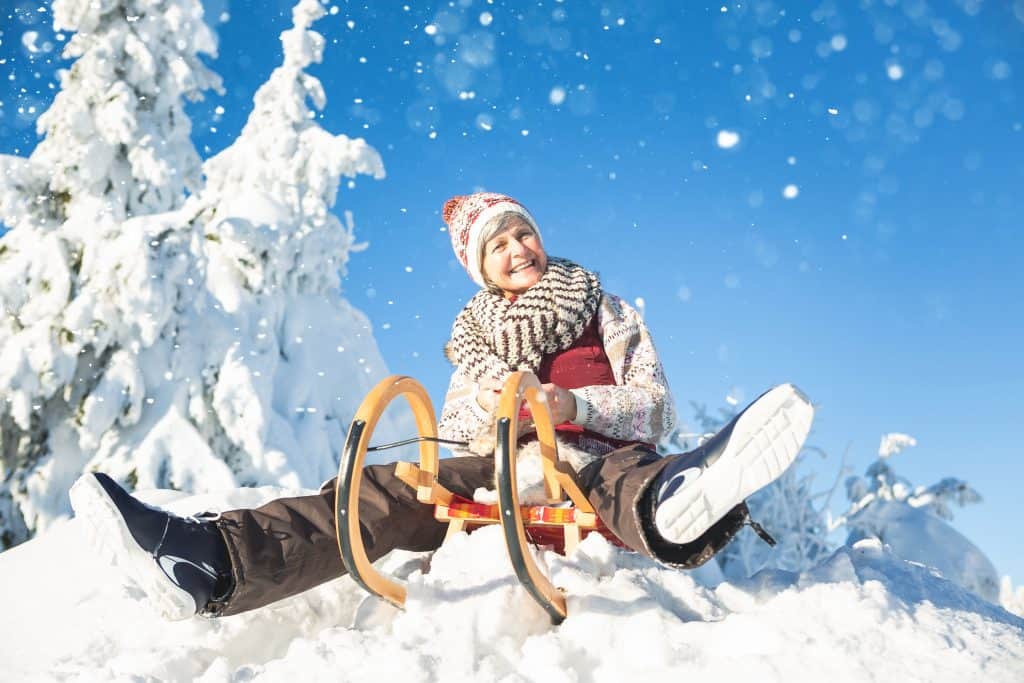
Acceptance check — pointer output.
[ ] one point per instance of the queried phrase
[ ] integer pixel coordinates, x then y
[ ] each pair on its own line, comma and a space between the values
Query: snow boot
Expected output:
698, 488
181, 564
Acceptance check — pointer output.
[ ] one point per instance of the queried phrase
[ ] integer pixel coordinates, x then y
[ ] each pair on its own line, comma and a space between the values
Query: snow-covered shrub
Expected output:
913, 520
1012, 599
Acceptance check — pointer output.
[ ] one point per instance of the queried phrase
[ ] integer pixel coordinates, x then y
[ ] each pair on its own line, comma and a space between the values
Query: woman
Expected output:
607, 393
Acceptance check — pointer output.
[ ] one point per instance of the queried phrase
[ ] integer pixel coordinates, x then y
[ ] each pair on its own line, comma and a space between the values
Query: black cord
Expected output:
418, 439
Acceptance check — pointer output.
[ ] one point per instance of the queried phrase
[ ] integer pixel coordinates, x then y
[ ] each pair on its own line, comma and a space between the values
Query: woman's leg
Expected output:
243, 559
620, 487
682, 509
290, 545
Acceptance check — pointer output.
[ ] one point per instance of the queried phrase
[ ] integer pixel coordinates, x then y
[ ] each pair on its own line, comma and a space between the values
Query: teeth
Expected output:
525, 265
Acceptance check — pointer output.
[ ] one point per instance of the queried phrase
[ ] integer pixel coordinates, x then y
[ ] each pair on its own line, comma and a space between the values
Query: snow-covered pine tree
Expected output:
291, 358
116, 144
914, 520
198, 347
116, 138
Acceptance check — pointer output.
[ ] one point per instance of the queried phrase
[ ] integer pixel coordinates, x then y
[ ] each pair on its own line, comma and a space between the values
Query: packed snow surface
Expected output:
861, 614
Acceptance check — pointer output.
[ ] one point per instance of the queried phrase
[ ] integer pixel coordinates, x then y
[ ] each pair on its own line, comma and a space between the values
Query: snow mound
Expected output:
860, 614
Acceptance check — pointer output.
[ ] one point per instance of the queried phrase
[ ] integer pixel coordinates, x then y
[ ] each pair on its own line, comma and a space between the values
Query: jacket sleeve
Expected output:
462, 417
640, 406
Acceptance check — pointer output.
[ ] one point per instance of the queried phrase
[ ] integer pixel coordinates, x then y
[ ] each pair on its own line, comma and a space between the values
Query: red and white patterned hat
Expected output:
466, 216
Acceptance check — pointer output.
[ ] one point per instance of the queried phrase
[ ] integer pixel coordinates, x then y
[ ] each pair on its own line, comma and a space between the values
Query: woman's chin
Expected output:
523, 281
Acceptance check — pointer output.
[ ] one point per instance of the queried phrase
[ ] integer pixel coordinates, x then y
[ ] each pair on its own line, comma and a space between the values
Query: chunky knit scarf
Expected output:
493, 336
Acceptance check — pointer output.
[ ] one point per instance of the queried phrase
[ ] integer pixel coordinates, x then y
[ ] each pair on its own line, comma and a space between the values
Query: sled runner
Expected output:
564, 519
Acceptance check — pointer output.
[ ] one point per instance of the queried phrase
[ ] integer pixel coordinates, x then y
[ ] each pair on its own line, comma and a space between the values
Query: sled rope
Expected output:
418, 439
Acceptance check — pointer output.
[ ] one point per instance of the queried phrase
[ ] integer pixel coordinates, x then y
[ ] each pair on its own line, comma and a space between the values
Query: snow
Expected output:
915, 521
182, 324
860, 614
28, 39
727, 139
1001, 70
917, 536
1012, 599
893, 443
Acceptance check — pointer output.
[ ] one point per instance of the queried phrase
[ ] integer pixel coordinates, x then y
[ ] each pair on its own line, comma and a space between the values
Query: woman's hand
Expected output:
489, 394
561, 402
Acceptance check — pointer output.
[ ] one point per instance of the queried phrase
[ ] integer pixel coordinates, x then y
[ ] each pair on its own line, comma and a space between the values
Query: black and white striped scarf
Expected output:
493, 336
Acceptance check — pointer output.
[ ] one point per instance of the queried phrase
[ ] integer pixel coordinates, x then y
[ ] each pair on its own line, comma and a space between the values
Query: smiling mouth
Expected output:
521, 268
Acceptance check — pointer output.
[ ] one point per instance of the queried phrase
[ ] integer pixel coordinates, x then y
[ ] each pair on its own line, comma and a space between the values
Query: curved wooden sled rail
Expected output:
557, 477
350, 475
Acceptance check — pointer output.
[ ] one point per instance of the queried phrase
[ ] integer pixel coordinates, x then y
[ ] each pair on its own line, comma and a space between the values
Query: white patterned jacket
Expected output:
638, 407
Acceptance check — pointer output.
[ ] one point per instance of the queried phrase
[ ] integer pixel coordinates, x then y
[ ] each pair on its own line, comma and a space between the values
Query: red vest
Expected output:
583, 364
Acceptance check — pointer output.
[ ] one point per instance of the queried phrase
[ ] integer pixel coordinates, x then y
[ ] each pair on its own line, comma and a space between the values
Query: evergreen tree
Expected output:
276, 256
173, 334
116, 145
116, 138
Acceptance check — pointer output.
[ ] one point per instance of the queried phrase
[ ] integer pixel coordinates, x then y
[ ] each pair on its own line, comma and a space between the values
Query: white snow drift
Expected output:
860, 614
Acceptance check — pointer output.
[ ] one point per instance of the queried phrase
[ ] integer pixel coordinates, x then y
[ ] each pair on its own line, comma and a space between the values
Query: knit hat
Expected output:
466, 216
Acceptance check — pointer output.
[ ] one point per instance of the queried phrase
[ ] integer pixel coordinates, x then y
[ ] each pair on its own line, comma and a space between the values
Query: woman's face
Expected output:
514, 259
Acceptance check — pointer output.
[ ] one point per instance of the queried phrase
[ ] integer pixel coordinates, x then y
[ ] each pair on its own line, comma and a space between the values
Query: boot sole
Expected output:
108, 532
764, 442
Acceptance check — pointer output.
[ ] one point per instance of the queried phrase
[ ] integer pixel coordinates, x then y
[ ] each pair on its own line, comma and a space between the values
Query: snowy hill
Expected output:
860, 614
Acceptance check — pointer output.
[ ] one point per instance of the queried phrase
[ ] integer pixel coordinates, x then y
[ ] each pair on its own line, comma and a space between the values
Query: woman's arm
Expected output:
464, 417
640, 406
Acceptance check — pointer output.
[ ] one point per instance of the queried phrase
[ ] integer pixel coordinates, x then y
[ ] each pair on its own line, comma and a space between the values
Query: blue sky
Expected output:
889, 287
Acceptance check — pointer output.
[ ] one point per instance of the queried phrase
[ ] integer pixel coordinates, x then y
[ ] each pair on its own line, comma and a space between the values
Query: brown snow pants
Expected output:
289, 545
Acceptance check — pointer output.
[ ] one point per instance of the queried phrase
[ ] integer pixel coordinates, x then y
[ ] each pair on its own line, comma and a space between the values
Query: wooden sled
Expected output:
553, 523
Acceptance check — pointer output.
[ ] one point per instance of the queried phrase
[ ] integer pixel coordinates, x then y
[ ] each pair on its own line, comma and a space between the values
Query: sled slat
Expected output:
428, 491
522, 385
350, 472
